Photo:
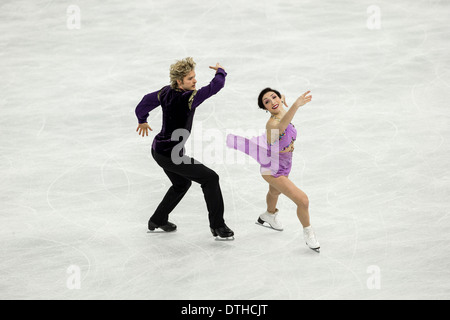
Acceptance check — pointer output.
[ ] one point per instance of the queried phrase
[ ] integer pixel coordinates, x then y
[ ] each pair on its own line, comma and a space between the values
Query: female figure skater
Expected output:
179, 101
278, 142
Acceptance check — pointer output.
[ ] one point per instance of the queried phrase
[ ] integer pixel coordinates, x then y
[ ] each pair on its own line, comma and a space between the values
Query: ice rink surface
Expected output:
78, 184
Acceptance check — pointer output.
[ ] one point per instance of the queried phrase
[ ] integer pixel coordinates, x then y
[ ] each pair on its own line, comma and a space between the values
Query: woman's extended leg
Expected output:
289, 189
272, 199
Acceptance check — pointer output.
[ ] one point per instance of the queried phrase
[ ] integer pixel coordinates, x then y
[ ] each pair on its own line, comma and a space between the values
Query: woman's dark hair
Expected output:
260, 102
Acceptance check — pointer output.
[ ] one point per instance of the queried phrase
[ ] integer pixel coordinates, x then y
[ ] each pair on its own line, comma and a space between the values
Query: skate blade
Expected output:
268, 227
315, 249
160, 231
224, 239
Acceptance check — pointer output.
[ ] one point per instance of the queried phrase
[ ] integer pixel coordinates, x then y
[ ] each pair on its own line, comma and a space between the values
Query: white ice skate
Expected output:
271, 219
310, 238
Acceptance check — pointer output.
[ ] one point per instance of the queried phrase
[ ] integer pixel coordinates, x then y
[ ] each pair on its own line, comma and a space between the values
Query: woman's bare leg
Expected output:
272, 199
289, 189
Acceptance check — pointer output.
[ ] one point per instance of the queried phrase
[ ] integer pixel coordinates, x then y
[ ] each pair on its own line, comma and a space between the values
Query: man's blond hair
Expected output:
180, 69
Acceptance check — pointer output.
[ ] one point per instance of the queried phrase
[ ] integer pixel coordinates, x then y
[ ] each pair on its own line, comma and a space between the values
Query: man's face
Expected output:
188, 82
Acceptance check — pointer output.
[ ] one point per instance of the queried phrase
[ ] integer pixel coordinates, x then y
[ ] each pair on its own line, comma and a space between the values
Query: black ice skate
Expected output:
223, 233
168, 227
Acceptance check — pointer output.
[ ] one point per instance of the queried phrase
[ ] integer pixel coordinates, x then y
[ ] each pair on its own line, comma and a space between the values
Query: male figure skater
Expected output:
179, 101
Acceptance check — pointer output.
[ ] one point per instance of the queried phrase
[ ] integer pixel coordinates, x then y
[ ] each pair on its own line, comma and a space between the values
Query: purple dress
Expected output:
271, 157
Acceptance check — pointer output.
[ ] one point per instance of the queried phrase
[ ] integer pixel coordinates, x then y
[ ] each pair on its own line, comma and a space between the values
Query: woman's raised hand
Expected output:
303, 99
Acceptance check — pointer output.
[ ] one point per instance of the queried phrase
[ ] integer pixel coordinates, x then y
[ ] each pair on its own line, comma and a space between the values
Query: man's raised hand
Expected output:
216, 67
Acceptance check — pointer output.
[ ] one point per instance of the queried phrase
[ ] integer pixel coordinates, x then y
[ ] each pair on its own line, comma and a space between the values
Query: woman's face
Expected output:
272, 102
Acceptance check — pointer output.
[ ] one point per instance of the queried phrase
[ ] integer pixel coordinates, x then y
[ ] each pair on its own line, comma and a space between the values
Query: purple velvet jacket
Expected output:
178, 110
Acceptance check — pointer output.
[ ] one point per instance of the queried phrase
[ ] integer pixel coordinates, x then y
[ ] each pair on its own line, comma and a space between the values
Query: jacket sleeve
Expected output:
216, 84
147, 104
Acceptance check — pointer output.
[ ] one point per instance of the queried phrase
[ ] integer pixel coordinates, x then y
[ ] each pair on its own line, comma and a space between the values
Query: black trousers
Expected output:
181, 176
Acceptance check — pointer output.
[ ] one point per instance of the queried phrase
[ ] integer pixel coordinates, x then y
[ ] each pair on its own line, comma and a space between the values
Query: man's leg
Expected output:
209, 182
176, 192
191, 169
